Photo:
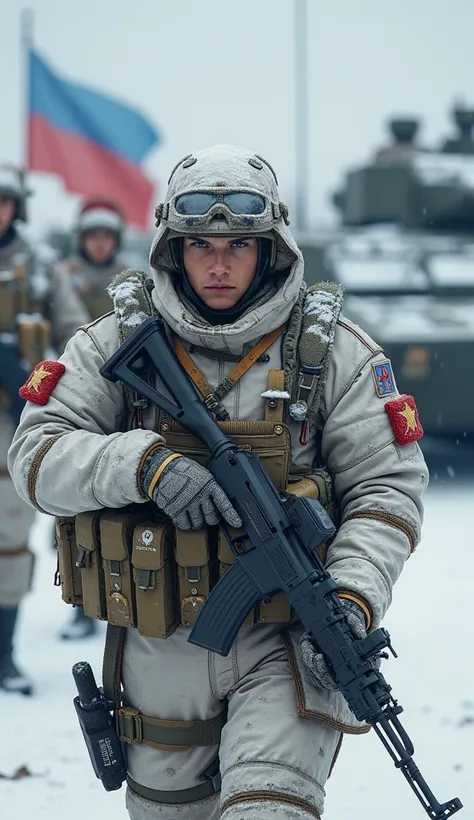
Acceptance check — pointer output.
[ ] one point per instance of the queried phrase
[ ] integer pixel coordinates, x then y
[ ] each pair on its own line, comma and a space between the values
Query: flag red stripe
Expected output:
89, 169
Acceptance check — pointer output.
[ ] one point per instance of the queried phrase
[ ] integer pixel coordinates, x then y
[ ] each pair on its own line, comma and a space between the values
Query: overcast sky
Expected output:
209, 71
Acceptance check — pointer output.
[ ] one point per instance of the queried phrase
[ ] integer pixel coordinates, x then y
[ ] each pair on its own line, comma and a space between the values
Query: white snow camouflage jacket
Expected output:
76, 453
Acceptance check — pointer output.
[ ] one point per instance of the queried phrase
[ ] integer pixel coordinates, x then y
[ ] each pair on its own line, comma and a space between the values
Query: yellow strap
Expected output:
235, 374
251, 357
351, 596
144, 457
159, 471
274, 407
193, 372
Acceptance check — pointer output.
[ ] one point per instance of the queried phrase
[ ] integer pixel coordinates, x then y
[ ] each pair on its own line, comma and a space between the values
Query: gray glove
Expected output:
314, 660
186, 492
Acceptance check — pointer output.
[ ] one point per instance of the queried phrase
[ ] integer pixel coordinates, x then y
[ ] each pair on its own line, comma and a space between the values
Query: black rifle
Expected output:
98, 728
13, 375
275, 554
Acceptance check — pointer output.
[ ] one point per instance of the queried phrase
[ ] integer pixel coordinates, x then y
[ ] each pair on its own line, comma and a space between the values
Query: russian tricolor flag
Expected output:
93, 142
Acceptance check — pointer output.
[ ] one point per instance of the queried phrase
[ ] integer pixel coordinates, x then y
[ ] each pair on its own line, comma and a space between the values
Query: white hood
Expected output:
229, 165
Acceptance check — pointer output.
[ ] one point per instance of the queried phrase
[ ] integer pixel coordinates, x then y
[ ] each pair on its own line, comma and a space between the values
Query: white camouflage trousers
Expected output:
273, 763
16, 518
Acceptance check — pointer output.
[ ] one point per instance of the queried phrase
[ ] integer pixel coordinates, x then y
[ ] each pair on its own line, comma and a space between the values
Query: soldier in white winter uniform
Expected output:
96, 260
38, 307
228, 282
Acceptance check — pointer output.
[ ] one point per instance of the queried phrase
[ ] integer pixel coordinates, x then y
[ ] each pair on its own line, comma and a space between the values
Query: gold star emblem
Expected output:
36, 378
410, 417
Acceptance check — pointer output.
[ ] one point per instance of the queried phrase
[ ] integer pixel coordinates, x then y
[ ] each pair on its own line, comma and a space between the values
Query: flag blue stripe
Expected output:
88, 114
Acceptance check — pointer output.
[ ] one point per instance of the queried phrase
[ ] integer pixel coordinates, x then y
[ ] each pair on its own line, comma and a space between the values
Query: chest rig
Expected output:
203, 556
130, 566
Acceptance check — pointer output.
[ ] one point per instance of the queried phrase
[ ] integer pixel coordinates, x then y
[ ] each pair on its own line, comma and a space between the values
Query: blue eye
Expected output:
199, 243
239, 243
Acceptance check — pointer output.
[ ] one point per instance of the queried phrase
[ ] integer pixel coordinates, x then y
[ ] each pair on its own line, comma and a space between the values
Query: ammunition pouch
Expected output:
68, 573
154, 579
268, 440
131, 567
88, 560
118, 564
34, 338
32, 333
196, 572
14, 296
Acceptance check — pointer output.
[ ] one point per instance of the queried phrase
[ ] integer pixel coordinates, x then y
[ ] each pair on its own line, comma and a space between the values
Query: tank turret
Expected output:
412, 187
404, 255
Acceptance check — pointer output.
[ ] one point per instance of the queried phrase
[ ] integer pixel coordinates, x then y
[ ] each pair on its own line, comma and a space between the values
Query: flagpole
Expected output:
301, 111
26, 42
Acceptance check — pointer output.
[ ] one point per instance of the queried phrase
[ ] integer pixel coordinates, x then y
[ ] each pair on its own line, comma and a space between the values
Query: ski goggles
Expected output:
239, 210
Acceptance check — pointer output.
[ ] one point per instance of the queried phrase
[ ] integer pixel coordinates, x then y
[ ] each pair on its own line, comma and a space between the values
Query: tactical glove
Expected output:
185, 491
314, 660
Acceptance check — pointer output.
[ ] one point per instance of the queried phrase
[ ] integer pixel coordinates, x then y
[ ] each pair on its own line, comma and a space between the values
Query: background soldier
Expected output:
96, 261
38, 307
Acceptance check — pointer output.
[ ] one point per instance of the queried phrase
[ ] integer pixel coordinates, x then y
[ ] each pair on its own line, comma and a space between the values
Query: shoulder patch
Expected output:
42, 381
384, 378
404, 419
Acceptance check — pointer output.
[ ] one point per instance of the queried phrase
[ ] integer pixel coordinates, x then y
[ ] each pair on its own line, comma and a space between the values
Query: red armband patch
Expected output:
404, 419
44, 378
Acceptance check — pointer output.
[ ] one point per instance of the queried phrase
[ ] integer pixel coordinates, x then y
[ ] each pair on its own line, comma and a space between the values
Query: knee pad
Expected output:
268, 806
139, 808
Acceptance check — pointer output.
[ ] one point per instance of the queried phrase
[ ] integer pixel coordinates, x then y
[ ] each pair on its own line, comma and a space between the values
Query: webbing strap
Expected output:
174, 798
320, 311
112, 662
172, 735
274, 407
200, 381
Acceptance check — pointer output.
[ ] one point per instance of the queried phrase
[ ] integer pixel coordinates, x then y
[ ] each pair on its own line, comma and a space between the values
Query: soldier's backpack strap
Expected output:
308, 346
130, 292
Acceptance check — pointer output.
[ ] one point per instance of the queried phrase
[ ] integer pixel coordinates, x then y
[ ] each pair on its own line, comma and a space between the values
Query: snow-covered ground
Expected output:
431, 624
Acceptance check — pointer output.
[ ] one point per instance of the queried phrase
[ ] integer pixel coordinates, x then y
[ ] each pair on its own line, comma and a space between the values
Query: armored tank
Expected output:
404, 252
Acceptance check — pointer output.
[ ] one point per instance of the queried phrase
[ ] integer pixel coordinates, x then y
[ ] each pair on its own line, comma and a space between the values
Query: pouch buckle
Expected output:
308, 376
84, 558
193, 574
130, 725
146, 579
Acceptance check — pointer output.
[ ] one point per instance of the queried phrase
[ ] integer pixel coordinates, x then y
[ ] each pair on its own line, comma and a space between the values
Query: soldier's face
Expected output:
7, 213
220, 269
99, 245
